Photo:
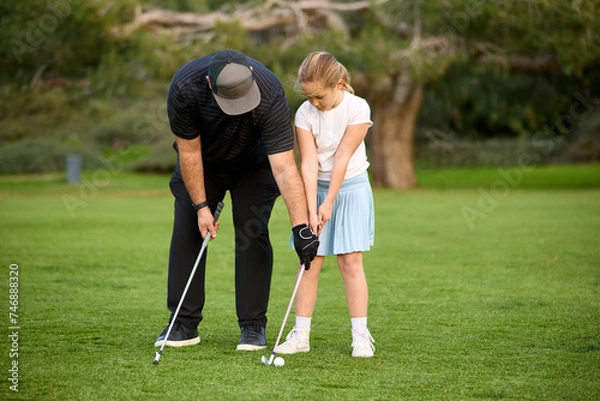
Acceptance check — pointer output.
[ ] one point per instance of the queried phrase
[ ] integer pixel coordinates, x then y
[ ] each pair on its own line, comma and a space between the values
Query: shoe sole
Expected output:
184, 343
249, 347
363, 356
288, 352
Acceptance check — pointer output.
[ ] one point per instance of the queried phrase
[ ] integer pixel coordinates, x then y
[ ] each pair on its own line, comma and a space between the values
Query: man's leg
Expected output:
253, 197
185, 245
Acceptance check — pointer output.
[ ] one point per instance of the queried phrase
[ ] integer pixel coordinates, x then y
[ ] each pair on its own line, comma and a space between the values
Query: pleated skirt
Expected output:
352, 224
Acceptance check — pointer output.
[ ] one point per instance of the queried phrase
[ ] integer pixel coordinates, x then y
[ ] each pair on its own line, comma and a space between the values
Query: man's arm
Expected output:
309, 169
192, 170
290, 185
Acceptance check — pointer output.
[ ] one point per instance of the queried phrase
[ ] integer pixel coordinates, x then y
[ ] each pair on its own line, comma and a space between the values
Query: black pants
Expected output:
253, 194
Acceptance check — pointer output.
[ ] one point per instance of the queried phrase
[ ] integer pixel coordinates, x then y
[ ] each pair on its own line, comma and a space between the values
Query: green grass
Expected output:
505, 306
583, 176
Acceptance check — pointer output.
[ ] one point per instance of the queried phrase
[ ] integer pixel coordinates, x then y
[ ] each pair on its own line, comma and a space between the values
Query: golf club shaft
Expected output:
287, 313
189, 282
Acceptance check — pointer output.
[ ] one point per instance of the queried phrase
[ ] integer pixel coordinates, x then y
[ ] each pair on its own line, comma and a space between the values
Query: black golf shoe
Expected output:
180, 336
252, 338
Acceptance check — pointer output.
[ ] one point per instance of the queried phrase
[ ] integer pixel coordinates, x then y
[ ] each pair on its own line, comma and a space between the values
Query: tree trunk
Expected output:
391, 142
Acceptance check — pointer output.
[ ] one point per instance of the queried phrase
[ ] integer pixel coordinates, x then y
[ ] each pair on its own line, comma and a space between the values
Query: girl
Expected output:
330, 128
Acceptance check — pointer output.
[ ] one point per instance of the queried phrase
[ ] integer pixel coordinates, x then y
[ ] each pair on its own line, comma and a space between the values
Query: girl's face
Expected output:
321, 97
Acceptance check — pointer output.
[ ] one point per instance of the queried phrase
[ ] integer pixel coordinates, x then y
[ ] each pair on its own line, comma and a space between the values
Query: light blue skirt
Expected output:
352, 224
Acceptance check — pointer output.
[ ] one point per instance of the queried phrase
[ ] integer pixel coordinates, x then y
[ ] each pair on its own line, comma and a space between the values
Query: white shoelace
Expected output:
363, 338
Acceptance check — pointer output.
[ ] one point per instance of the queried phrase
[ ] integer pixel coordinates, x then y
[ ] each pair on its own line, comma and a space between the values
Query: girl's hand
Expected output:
315, 224
324, 212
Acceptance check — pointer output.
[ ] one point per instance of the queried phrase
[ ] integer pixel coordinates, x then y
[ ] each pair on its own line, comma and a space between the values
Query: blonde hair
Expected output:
323, 67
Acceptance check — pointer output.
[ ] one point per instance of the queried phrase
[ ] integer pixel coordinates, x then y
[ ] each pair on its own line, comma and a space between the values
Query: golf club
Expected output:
268, 361
187, 286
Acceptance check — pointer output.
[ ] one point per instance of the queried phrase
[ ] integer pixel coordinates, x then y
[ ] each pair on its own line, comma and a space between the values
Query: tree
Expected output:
352, 30
394, 49
62, 37
511, 37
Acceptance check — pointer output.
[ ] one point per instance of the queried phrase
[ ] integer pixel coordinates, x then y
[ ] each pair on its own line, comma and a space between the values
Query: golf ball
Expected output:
279, 361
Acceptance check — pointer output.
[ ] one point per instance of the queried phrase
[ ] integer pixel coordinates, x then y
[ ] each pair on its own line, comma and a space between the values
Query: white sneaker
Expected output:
362, 341
296, 341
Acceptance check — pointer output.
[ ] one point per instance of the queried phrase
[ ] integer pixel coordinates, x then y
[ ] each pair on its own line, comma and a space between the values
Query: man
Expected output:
233, 132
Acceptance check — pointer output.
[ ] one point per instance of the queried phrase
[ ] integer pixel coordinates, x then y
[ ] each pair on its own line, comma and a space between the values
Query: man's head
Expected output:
230, 77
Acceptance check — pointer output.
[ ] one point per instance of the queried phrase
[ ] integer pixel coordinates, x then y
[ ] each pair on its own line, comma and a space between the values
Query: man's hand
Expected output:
207, 223
306, 244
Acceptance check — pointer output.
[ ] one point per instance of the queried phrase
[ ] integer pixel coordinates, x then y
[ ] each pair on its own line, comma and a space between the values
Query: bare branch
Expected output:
327, 5
521, 64
272, 14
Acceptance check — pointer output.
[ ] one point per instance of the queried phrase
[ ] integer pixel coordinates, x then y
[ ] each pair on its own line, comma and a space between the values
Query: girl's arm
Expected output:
351, 140
309, 168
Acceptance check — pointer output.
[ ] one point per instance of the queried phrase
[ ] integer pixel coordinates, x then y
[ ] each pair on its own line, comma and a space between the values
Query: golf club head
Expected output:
267, 361
156, 358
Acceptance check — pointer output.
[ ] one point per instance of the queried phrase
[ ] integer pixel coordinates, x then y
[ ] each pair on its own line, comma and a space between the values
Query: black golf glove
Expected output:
306, 244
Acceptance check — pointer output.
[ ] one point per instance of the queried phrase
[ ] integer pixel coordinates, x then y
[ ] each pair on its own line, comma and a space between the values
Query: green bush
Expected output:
161, 158
39, 128
138, 123
437, 149
32, 156
70, 38
585, 144
28, 112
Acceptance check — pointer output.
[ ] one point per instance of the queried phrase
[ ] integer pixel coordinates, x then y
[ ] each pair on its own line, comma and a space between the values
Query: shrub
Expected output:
141, 123
585, 144
29, 112
436, 149
32, 156
160, 159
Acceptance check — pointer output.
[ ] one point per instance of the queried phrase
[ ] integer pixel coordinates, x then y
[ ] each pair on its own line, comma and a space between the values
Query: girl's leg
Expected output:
357, 298
355, 283
306, 297
298, 340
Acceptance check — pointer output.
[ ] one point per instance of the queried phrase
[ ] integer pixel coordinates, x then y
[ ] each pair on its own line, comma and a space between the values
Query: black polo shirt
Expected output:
229, 142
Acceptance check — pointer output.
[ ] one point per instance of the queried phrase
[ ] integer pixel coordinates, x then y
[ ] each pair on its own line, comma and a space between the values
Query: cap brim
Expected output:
241, 105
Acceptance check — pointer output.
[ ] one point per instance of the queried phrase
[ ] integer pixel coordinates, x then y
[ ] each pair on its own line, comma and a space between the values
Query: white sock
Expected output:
359, 323
303, 322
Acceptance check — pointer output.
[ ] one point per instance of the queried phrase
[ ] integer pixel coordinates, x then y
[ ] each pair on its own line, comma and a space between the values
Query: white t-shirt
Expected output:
328, 128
